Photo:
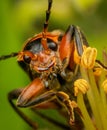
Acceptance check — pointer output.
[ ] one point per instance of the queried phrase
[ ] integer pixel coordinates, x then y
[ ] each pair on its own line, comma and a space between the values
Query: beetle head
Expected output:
42, 53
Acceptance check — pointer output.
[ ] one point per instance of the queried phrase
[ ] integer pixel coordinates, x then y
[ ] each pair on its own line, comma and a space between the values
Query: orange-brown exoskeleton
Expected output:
51, 60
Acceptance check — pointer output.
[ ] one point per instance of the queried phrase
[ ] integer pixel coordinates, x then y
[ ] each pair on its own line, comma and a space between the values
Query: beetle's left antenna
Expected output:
8, 56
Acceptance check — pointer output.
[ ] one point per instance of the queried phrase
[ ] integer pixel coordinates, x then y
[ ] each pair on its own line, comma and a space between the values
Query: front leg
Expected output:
36, 93
46, 105
47, 100
69, 105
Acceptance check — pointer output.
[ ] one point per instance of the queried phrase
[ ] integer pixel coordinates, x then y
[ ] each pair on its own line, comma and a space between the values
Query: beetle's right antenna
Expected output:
44, 38
48, 11
8, 56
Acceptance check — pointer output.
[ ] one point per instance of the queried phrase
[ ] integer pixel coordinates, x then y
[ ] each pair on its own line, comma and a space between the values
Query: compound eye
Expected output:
52, 45
27, 59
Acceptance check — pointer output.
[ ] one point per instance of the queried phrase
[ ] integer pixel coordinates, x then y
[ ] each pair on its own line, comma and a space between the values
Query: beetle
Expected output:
52, 61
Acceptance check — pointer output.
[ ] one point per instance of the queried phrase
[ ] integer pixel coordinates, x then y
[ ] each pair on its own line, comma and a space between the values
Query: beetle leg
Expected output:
14, 95
43, 98
69, 105
61, 97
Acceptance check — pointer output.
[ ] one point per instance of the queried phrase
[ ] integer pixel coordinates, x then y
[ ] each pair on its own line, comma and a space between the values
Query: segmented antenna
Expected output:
8, 56
48, 11
44, 38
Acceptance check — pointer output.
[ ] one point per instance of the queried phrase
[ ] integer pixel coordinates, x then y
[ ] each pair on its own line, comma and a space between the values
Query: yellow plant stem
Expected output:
93, 96
98, 101
86, 119
103, 98
102, 93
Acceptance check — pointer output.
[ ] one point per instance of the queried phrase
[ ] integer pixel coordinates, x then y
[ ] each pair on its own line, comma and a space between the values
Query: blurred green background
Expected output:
21, 19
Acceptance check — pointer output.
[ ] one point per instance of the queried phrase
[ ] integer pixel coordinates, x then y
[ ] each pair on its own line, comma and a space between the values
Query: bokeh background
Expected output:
21, 19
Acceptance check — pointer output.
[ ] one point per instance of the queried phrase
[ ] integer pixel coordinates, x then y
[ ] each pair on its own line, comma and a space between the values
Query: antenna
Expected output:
8, 56
48, 11
44, 39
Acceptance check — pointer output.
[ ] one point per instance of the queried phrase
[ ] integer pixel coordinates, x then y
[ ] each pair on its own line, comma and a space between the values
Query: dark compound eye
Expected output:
27, 59
52, 45
34, 46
